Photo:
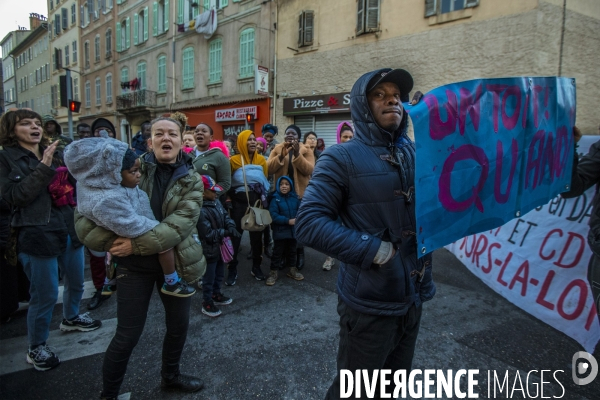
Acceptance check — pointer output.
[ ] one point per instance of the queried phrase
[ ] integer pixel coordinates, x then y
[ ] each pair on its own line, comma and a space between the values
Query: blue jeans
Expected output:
212, 279
43, 275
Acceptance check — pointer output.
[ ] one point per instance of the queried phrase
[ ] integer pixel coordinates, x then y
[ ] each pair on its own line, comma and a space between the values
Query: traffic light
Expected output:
249, 117
74, 106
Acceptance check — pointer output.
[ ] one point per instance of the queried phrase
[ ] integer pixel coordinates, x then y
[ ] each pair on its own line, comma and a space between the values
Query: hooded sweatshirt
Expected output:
283, 207
96, 164
339, 129
242, 146
63, 141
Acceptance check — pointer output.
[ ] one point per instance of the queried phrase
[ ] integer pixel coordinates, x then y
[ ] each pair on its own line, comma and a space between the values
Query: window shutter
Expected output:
360, 17
91, 8
430, 8
166, 16
206, 5
127, 33
146, 19
155, 19
57, 24
224, 3
180, 10
103, 5
135, 29
309, 17
65, 18
471, 3
372, 20
81, 16
301, 29
118, 39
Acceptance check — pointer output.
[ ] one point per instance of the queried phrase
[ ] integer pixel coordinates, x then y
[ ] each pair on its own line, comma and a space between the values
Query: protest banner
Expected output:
539, 262
489, 150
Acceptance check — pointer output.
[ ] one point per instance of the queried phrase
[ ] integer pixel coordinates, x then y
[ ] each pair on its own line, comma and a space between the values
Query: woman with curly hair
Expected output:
41, 193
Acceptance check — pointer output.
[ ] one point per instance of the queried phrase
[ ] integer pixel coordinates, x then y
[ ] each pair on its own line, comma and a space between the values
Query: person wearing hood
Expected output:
269, 132
368, 183
175, 192
139, 143
283, 208
209, 160
53, 131
256, 172
344, 132
101, 124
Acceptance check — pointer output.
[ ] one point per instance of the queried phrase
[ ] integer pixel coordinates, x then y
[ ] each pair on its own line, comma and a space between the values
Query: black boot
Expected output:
231, 276
300, 258
182, 383
97, 300
258, 274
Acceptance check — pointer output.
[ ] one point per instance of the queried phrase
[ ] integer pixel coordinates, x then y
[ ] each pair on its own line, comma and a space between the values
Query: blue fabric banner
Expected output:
488, 151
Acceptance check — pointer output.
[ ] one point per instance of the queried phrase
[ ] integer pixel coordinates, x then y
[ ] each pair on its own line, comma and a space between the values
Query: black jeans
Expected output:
594, 280
240, 205
283, 250
212, 279
374, 342
133, 299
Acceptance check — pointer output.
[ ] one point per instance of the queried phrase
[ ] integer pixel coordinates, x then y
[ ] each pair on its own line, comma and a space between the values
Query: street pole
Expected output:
69, 98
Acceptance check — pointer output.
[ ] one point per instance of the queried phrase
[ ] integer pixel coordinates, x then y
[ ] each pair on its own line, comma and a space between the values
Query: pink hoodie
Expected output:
339, 129
219, 145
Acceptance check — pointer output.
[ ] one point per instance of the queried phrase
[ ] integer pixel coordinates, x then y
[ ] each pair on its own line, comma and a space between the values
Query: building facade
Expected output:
323, 48
9, 86
32, 73
164, 65
63, 17
99, 79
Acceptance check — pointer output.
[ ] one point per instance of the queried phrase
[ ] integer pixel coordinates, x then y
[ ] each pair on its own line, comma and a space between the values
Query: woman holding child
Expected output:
175, 193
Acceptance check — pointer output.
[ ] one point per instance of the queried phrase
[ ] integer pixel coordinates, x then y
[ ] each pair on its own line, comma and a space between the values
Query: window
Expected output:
47, 71
140, 26
85, 16
162, 74
187, 10
108, 88
97, 48
98, 97
57, 24
188, 68
73, 14
367, 16
124, 74
108, 43
52, 4
67, 55
161, 17
88, 94
74, 51
247, 53
215, 56
86, 54
123, 41
54, 95
141, 75
306, 28
65, 18
76, 89
435, 7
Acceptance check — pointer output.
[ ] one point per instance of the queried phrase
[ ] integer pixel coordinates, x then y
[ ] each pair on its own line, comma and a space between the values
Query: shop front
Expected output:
229, 119
320, 114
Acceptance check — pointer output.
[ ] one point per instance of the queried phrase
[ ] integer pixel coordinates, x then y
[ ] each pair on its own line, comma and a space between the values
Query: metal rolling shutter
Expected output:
306, 123
326, 126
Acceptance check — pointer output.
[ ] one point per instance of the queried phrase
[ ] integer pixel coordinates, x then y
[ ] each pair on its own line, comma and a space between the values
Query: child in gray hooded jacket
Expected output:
108, 174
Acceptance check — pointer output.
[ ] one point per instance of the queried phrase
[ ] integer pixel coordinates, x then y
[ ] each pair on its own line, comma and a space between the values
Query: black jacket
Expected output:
212, 228
374, 200
283, 207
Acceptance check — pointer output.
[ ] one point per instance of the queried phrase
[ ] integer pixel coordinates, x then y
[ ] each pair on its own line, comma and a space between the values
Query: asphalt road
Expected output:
280, 342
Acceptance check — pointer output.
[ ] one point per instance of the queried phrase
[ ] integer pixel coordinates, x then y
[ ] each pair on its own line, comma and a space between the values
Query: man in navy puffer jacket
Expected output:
369, 183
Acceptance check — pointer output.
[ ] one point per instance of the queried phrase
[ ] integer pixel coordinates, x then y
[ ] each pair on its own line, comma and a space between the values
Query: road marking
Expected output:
67, 345
88, 293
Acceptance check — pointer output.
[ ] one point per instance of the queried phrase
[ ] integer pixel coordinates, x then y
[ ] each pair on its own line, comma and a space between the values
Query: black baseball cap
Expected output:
402, 78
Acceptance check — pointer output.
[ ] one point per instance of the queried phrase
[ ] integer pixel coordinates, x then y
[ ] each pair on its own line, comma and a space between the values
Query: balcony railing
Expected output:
139, 98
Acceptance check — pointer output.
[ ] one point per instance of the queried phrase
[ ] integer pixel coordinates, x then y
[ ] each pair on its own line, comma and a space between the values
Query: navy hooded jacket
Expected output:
283, 207
375, 201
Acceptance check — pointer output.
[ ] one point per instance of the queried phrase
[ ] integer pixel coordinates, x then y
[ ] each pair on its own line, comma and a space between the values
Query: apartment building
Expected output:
166, 65
9, 86
32, 68
323, 47
99, 78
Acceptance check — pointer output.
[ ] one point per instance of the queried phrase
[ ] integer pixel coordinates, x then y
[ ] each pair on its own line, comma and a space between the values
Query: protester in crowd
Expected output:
188, 141
283, 208
175, 192
261, 145
182, 119
381, 283
229, 143
84, 130
344, 134
37, 185
269, 132
585, 174
214, 226
320, 146
53, 131
256, 173
102, 124
297, 161
210, 161
310, 141
139, 143
108, 174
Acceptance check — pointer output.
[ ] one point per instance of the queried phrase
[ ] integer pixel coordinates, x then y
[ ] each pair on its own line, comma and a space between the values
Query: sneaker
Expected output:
210, 309
179, 289
42, 358
258, 274
272, 278
221, 300
231, 277
294, 274
108, 290
328, 264
82, 322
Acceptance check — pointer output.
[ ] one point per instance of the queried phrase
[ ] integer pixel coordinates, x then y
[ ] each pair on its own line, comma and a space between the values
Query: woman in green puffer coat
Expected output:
175, 191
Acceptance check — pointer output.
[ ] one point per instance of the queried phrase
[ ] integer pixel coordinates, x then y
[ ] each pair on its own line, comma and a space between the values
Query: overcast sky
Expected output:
16, 12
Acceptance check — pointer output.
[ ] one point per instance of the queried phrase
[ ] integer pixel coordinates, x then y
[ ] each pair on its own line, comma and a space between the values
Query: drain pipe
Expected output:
562, 38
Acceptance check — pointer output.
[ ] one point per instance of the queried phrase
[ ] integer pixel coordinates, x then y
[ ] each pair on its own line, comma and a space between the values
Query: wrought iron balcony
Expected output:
139, 98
